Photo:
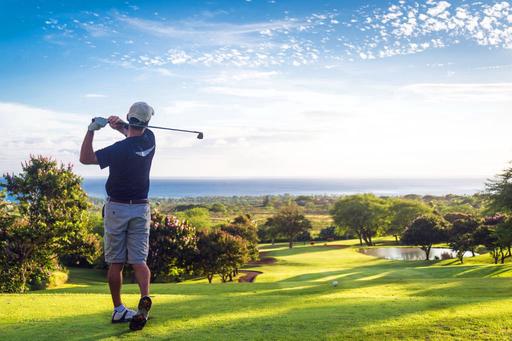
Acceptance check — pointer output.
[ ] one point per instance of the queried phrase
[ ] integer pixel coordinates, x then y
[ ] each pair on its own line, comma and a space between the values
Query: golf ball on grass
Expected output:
334, 283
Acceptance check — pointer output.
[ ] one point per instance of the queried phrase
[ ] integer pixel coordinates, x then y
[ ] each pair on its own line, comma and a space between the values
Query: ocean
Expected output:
180, 188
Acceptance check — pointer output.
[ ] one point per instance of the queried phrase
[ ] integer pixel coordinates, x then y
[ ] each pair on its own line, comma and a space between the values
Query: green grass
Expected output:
292, 299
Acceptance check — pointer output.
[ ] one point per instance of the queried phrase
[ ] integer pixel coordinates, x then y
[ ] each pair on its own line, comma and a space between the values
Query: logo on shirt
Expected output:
145, 152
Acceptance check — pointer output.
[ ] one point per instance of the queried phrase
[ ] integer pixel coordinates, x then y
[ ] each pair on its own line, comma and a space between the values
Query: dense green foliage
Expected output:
425, 231
220, 253
461, 236
244, 227
363, 214
172, 248
289, 222
403, 212
497, 237
52, 222
329, 233
499, 191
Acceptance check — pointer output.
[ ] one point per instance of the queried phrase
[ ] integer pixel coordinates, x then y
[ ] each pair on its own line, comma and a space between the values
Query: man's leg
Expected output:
115, 281
138, 248
143, 275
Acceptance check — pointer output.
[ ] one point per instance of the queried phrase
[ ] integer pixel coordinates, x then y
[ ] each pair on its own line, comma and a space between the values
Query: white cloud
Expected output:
432, 25
474, 92
209, 33
323, 37
438, 8
31, 130
302, 127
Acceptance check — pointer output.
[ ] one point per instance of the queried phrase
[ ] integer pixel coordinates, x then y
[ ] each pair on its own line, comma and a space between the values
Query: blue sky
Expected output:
280, 88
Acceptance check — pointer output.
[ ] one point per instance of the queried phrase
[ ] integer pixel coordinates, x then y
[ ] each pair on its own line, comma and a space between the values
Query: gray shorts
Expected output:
126, 238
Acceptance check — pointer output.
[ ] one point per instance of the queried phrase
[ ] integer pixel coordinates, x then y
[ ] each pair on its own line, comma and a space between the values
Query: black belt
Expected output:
134, 201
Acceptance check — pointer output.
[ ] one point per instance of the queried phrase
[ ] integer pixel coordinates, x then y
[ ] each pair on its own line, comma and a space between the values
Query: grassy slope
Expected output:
293, 299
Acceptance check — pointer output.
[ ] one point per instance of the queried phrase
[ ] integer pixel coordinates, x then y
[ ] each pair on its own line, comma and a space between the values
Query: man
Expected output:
126, 212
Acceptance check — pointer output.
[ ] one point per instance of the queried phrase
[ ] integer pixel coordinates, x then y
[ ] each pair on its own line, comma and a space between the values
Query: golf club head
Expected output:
200, 136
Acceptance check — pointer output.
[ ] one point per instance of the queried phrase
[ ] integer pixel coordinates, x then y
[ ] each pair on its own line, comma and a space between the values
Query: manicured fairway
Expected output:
292, 299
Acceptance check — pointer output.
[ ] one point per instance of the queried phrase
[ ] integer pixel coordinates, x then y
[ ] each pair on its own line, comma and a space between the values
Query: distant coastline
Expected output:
181, 187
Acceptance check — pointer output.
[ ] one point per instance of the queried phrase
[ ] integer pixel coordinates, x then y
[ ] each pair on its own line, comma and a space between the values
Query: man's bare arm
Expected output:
118, 124
87, 155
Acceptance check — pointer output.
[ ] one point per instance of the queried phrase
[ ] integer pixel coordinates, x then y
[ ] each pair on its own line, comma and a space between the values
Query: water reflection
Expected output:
410, 253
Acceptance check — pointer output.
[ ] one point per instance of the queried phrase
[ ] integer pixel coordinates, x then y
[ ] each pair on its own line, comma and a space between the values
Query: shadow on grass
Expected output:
410, 270
299, 307
265, 311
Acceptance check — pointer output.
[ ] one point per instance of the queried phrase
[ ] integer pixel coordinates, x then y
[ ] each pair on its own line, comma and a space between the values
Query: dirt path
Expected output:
249, 276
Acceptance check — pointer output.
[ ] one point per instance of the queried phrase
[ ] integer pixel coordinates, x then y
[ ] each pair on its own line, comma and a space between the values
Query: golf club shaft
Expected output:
126, 125
199, 133
163, 128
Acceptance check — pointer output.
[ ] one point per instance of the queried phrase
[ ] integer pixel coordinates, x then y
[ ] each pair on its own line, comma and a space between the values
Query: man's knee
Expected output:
140, 267
116, 267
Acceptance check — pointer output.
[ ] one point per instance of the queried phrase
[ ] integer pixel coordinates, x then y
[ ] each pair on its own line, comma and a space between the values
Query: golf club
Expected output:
199, 133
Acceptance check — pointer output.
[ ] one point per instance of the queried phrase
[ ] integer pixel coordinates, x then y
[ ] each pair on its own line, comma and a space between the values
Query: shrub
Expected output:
425, 231
172, 248
220, 253
243, 227
304, 236
328, 233
85, 251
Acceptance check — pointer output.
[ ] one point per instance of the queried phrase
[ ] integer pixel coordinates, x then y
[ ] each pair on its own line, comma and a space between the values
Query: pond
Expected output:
410, 253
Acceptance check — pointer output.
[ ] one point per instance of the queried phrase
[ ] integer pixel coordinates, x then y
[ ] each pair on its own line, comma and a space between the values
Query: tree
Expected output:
220, 253
268, 231
503, 234
172, 248
425, 231
52, 206
243, 227
486, 235
233, 255
462, 236
499, 191
403, 212
362, 214
207, 262
218, 208
496, 235
13, 270
289, 222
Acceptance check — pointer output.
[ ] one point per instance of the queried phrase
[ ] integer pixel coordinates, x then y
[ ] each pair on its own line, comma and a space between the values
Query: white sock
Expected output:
120, 308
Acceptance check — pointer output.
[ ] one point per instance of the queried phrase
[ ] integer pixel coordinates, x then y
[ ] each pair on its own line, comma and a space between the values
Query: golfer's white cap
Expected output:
141, 111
